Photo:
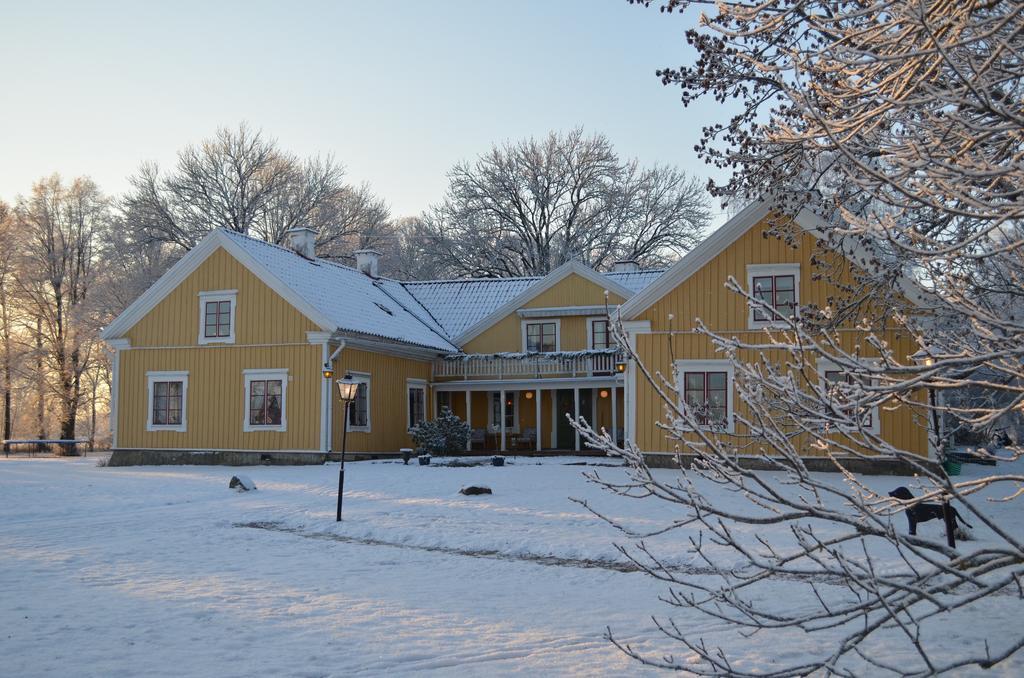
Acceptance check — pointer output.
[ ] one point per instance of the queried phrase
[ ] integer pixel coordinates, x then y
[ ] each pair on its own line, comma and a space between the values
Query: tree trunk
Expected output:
40, 386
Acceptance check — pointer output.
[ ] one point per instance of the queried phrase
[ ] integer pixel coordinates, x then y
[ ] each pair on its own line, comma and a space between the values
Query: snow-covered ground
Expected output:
164, 571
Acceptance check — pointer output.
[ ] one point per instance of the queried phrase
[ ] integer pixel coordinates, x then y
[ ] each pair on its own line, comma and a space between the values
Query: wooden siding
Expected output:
704, 296
506, 334
215, 406
388, 400
269, 334
261, 315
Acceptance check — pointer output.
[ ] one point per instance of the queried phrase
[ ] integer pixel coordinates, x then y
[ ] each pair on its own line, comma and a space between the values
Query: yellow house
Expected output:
661, 322
225, 353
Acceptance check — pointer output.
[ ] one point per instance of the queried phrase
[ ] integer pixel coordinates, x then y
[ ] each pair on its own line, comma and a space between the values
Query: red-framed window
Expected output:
541, 337
778, 292
265, 402
706, 394
837, 377
167, 403
218, 319
600, 337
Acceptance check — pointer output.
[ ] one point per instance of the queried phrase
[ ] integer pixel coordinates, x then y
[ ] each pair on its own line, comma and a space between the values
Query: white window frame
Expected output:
826, 365
216, 296
684, 366
542, 321
362, 378
590, 331
421, 385
759, 270
515, 411
260, 375
153, 377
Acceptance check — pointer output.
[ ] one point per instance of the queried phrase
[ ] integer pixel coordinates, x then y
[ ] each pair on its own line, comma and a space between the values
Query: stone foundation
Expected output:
861, 466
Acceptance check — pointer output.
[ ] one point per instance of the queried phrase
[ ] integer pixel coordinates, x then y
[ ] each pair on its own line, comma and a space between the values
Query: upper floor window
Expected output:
600, 333
775, 285
416, 413
359, 410
540, 337
706, 389
217, 317
168, 392
266, 400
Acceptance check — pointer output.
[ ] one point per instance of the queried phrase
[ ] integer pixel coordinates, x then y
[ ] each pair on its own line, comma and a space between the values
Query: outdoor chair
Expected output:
477, 437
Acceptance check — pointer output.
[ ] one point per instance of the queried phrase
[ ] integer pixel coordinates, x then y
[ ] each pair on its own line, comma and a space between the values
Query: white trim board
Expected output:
252, 375
153, 377
547, 282
540, 321
230, 296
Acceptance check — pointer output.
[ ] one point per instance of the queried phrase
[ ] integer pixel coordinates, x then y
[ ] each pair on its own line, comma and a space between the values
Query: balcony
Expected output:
600, 362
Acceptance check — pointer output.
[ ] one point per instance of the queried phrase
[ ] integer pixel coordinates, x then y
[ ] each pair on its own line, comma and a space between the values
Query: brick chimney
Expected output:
302, 241
368, 262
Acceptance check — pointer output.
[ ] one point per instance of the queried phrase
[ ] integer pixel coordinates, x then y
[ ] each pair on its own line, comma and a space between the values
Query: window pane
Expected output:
695, 381
174, 417
783, 282
716, 381
274, 387
160, 388
256, 404
258, 387
273, 417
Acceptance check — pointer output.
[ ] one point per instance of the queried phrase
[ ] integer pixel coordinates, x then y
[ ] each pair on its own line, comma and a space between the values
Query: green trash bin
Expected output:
951, 467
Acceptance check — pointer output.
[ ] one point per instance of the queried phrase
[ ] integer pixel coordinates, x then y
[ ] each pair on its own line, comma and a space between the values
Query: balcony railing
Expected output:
528, 365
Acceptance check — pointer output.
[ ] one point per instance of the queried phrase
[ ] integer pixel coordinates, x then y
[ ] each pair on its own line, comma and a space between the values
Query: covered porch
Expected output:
510, 415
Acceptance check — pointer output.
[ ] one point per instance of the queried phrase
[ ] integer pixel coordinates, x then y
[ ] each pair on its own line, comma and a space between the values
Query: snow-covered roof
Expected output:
634, 280
349, 299
458, 304
426, 314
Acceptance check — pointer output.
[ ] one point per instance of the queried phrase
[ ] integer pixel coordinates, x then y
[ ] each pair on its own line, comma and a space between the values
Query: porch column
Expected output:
615, 413
576, 414
469, 420
502, 410
540, 428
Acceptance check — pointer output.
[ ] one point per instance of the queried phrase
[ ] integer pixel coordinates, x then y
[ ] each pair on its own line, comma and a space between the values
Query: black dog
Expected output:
922, 513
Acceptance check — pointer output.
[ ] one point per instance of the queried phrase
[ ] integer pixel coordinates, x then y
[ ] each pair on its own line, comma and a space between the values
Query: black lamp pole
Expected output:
341, 469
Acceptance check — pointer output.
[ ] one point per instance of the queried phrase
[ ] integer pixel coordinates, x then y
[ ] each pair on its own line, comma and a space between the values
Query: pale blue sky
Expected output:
397, 90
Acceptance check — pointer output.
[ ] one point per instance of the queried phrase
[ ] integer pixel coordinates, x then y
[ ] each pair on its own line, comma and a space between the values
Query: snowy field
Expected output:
164, 571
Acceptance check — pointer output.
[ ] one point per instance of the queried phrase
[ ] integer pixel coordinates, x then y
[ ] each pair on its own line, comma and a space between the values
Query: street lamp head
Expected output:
620, 366
347, 387
328, 371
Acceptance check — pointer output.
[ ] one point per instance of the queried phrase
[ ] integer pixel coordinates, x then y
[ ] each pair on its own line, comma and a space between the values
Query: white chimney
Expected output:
302, 241
368, 262
625, 266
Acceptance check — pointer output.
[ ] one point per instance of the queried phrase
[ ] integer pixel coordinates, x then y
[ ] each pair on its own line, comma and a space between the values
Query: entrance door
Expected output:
564, 403
565, 436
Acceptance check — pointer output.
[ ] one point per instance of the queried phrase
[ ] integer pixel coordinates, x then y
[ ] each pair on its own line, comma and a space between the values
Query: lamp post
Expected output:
347, 388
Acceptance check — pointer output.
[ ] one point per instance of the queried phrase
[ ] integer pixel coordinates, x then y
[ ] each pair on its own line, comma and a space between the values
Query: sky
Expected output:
397, 91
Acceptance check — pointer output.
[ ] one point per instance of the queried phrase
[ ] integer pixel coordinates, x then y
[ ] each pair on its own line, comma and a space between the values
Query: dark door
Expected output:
563, 431
564, 402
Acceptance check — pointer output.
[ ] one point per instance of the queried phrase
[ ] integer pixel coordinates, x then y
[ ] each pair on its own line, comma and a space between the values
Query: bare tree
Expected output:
242, 181
60, 223
525, 208
7, 274
899, 123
